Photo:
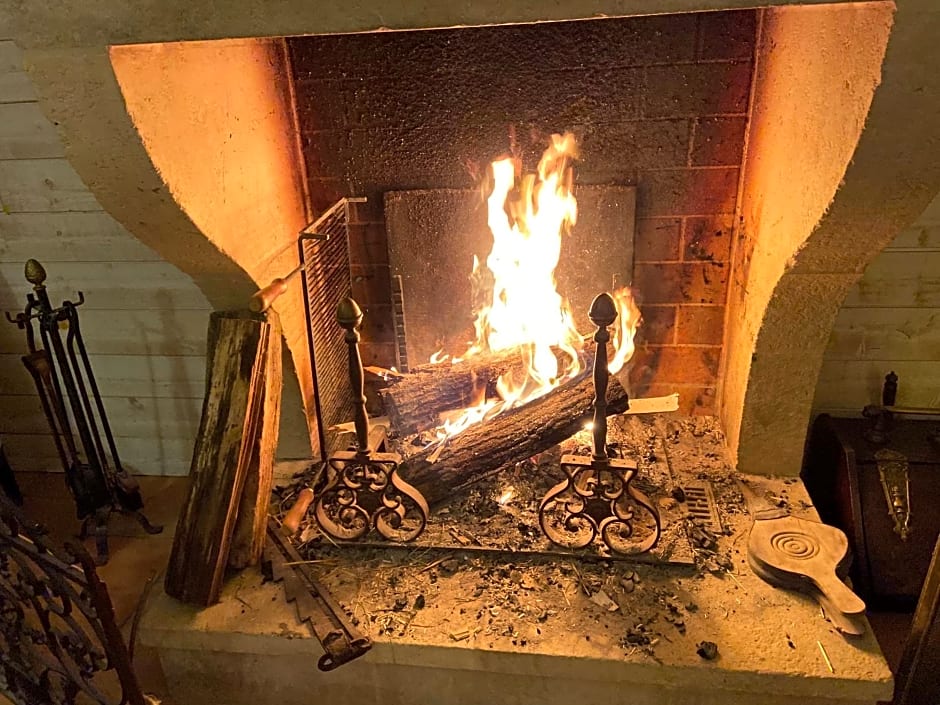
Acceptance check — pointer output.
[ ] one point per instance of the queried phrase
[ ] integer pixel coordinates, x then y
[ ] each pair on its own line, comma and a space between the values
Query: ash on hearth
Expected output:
484, 589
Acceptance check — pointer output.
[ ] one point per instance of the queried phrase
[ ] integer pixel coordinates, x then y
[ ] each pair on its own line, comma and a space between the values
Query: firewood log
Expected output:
231, 433
511, 437
415, 402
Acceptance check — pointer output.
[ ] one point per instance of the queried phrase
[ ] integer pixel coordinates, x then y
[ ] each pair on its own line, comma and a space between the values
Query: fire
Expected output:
520, 306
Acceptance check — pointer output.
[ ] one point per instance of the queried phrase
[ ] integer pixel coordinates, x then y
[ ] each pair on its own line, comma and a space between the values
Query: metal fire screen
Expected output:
324, 262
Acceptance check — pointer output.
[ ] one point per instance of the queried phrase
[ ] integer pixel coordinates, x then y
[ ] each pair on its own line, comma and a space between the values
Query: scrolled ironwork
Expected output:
596, 498
59, 643
366, 493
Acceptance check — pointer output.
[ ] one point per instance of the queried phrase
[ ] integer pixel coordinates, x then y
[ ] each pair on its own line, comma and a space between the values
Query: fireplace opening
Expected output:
658, 108
501, 197
703, 116
650, 121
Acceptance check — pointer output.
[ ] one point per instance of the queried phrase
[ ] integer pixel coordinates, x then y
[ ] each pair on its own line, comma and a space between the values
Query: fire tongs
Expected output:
596, 497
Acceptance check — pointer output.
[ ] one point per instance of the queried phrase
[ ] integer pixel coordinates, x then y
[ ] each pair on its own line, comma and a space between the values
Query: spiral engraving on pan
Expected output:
794, 544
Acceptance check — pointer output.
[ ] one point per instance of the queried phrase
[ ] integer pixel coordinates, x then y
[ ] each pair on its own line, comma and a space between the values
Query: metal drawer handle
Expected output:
895, 483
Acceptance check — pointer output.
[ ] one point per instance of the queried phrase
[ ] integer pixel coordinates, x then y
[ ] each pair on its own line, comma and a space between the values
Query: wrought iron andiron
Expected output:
99, 486
364, 490
596, 497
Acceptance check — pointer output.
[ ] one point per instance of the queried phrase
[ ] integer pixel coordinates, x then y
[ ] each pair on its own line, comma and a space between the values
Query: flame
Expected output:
439, 357
621, 339
519, 304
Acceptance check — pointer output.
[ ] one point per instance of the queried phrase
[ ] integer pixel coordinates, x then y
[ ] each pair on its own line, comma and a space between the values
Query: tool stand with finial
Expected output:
596, 498
72, 404
364, 491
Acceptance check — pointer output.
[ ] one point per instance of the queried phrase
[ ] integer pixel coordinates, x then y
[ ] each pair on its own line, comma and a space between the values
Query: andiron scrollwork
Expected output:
596, 498
364, 490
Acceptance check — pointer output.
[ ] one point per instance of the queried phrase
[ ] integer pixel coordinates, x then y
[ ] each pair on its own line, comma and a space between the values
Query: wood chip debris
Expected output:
822, 650
463, 634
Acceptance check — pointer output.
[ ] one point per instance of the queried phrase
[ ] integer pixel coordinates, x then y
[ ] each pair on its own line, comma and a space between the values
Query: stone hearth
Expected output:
550, 644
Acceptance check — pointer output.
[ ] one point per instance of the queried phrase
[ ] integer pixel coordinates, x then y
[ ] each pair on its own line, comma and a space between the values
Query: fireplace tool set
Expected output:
72, 405
365, 492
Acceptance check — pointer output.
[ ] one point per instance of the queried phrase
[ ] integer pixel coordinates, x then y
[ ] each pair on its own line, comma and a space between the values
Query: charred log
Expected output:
508, 438
415, 402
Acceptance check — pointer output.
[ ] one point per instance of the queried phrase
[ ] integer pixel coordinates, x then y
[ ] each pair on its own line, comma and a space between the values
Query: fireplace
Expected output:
705, 117
708, 264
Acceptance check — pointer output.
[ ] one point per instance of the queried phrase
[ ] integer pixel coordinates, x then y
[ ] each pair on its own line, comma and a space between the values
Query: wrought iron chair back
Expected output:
59, 642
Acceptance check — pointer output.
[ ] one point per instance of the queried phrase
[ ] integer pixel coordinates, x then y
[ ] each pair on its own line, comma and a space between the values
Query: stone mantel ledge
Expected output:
252, 644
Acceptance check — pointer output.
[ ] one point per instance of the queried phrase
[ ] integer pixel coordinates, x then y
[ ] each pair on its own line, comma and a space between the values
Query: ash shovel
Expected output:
804, 555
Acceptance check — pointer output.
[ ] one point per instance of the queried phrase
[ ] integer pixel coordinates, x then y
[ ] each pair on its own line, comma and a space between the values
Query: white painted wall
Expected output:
144, 321
889, 321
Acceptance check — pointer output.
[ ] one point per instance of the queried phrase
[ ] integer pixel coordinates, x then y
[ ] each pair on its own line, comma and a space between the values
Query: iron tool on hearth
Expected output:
341, 640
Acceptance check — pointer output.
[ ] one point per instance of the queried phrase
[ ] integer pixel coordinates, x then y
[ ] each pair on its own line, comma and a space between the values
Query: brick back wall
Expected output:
656, 102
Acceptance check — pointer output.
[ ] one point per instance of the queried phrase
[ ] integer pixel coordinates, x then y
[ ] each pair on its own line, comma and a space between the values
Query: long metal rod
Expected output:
93, 384
646, 558
83, 393
50, 333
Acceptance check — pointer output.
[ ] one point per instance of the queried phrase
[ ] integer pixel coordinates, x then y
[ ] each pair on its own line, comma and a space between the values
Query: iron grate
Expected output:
700, 504
324, 256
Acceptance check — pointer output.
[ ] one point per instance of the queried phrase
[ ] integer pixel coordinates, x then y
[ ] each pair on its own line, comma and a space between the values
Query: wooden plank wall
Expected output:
889, 321
144, 321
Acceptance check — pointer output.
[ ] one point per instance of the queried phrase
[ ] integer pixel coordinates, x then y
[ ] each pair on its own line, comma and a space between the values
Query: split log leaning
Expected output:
514, 436
252, 521
236, 363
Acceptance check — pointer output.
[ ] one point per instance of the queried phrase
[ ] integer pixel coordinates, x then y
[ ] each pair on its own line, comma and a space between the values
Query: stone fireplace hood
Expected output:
841, 155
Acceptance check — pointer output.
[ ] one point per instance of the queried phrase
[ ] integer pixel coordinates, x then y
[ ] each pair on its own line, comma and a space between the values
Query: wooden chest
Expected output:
843, 477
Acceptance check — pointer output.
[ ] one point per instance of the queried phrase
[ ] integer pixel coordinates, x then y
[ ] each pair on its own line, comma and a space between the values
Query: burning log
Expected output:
511, 437
415, 402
